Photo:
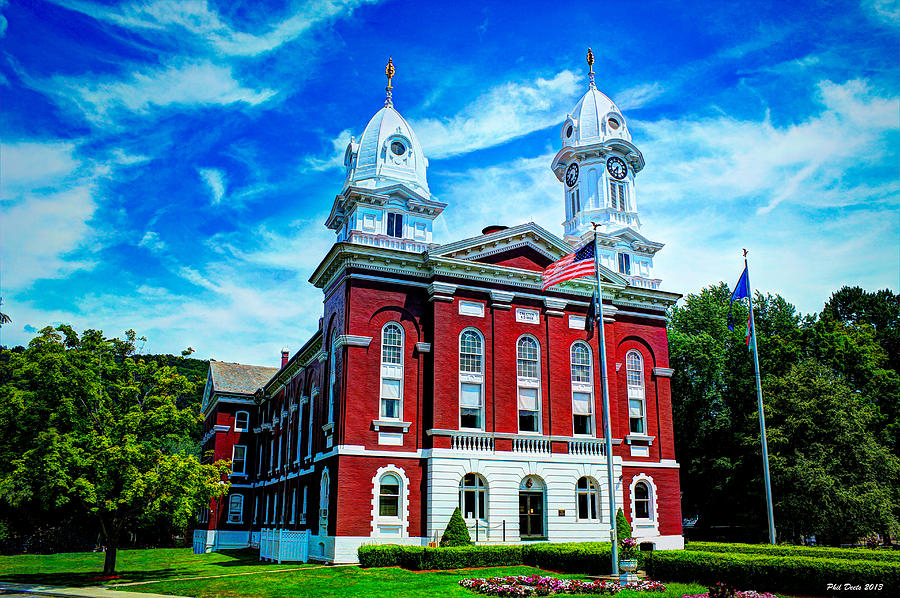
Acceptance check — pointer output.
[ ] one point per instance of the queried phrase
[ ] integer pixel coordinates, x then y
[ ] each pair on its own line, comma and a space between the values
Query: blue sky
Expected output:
168, 166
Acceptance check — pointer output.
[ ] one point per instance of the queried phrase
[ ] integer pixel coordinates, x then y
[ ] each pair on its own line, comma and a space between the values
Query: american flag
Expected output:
580, 263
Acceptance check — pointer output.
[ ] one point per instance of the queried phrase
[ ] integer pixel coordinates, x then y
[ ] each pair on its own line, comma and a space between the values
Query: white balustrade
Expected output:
530, 445
471, 442
592, 448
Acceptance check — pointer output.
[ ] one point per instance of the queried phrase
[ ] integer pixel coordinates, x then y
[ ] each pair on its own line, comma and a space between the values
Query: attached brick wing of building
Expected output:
441, 376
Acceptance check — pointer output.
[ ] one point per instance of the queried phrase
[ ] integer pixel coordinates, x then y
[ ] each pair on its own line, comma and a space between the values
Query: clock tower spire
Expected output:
598, 165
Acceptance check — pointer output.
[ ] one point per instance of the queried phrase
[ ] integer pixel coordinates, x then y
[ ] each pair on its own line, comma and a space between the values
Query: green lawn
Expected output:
82, 568
347, 582
166, 564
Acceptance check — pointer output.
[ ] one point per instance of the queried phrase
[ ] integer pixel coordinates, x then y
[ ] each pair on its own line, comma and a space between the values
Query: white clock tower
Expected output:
598, 165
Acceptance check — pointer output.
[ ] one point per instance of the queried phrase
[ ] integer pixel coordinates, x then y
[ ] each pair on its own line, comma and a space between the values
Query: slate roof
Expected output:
238, 378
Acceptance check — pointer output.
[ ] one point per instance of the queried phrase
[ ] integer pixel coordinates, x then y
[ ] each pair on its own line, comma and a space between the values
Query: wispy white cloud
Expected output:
39, 232
180, 84
638, 96
505, 112
723, 158
883, 11
206, 26
215, 180
335, 156
26, 165
151, 241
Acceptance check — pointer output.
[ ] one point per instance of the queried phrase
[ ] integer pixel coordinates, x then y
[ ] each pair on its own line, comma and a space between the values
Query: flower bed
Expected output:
537, 585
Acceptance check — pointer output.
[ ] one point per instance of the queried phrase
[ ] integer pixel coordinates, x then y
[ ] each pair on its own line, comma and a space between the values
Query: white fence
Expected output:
200, 541
283, 545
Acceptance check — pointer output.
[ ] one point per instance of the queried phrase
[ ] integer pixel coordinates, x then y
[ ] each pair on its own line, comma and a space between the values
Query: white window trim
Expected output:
240, 501
644, 527
487, 496
243, 472
470, 378
643, 390
585, 387
379, 523
247, 427
526, 382
384, 369
266, 517
598, 504
294, 505
324, 498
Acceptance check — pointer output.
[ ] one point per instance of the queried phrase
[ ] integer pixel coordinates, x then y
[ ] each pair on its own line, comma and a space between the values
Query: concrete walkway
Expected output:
89, 592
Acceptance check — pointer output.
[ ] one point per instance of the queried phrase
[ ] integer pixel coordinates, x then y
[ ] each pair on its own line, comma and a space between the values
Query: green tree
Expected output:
87, 424
805, 362
456, 534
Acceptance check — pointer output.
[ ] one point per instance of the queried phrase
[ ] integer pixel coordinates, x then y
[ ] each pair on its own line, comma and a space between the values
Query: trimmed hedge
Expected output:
853, 554
590, 558
782, 574
580, 557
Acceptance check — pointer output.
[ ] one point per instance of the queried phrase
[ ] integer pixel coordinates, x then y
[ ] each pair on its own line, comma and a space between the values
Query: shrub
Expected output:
783, 574
464, 557
571, 557
456, 534
623, 528
854, 554
378, 555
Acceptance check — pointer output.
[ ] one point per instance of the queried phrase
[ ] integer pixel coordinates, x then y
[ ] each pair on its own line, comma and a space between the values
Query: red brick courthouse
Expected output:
441, 376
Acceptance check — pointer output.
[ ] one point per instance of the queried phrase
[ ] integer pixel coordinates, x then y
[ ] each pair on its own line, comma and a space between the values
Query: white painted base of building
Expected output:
213, 540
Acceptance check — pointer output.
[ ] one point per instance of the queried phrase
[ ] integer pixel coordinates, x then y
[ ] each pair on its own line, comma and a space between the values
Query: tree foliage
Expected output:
87, 426
830, 390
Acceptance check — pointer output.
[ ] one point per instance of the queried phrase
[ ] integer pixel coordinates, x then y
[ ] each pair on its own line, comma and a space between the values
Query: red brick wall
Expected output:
668, 496
354, 496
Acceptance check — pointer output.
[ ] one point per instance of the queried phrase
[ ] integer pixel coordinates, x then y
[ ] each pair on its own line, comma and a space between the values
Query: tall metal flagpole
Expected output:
762, 416
607, 426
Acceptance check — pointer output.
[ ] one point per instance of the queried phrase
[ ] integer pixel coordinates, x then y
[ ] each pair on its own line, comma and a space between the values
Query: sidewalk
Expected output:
89, 592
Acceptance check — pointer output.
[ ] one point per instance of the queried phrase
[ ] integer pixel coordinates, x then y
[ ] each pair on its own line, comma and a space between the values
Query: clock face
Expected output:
572, 174
616, 167
398, 148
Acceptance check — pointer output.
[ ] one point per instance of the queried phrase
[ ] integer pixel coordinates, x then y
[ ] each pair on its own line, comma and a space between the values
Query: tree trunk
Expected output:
109, 565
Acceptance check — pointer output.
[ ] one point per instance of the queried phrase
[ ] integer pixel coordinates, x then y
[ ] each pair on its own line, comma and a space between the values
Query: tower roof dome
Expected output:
595, 118
388, 152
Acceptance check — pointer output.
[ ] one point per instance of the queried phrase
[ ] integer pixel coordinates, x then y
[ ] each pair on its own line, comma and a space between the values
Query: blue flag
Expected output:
741, 290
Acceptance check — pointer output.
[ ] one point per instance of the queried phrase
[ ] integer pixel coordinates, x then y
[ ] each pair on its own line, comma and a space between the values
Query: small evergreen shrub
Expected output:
623, 528
456, 534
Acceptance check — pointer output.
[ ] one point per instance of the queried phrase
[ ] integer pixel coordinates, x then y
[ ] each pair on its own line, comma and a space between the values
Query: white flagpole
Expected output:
762, 416
607, 426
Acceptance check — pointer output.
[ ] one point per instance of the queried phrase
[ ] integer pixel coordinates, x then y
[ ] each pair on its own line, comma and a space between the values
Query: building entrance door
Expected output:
531, 514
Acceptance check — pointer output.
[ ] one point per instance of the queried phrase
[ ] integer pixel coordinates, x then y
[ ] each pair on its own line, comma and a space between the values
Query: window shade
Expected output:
470, 395
581, 403
528, 399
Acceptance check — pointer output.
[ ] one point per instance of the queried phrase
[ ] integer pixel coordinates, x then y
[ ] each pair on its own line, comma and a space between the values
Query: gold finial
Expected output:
590, 61
389, 71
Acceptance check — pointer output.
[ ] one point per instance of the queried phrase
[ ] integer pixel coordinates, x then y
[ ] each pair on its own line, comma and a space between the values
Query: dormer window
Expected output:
395, 225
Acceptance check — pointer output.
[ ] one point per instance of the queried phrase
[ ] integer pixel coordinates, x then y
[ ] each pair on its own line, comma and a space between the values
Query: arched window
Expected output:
324, 491
582, 389
471, 379
236, 508
637, 415
642, 498
528, 382
389, 496
391, 371
473, 496
587, 497
241, 421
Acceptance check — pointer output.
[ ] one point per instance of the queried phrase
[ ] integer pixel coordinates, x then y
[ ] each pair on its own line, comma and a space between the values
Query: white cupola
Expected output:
597, 165
385, 201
